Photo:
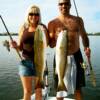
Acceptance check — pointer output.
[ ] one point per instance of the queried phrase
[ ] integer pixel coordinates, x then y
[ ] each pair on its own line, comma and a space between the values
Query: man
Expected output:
75, 28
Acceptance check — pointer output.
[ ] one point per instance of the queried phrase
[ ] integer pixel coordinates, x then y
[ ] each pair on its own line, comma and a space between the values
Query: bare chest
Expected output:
71, 25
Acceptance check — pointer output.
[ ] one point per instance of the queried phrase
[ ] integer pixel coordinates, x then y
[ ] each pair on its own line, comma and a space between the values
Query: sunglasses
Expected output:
65, 3
34, 14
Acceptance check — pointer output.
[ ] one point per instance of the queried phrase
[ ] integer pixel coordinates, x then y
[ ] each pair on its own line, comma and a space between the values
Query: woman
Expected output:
27, 70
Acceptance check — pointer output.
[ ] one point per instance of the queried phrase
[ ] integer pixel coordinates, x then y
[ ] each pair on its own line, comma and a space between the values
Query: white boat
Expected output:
45, 95
53, 98
50, 98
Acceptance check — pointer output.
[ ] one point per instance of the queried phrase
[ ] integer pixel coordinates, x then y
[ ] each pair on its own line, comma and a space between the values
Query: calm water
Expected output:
10, 85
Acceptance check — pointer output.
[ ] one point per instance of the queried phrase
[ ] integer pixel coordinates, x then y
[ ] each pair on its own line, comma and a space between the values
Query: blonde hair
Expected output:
32, 9
26, 24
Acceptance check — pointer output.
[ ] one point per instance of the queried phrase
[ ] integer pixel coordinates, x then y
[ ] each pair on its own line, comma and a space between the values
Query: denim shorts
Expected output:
27, 68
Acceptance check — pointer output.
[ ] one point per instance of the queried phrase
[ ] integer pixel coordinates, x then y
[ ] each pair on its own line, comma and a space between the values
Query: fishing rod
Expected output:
92, 75
75, 8
10, 36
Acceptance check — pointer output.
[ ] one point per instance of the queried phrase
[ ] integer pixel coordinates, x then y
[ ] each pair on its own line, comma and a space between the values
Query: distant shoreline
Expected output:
16, 34
5, 34
93, 34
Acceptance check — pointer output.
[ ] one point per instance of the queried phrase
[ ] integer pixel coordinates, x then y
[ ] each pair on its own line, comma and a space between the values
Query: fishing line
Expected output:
75, 8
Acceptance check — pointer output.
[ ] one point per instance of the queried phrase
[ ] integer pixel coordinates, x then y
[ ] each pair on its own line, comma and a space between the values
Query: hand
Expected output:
87, 52
14, 44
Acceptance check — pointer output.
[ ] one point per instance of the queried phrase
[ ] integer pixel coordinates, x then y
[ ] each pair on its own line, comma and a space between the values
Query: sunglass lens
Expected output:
33, 14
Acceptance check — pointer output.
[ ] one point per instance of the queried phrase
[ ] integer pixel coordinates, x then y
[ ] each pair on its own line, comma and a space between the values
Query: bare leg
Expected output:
38, 94
38, 90
78, 94
60, 98
27, 87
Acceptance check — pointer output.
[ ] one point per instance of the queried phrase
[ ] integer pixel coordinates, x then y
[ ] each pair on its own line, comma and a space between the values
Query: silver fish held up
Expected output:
40, 45
61, 59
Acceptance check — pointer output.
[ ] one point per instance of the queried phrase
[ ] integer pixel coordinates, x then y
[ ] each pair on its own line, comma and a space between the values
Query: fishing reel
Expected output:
86, 68
83, 65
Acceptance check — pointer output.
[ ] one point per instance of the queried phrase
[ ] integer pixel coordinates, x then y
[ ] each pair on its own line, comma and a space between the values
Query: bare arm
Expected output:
85, 38
83, 34
19, 44
52, 40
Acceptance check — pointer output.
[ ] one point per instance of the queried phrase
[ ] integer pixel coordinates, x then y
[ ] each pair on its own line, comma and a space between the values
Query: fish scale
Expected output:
39, 54
61, 59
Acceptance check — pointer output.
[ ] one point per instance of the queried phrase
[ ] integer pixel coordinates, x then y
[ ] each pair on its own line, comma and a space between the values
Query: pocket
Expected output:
27, 63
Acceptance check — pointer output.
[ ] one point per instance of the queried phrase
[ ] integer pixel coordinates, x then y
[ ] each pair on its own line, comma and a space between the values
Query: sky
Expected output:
13, 13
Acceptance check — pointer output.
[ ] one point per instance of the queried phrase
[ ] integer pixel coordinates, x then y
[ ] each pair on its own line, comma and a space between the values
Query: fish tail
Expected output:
61, 86
93, 79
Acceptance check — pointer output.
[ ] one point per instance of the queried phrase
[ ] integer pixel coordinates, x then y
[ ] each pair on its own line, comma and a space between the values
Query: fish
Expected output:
40, 44
61, 59
7, 45
92, 74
